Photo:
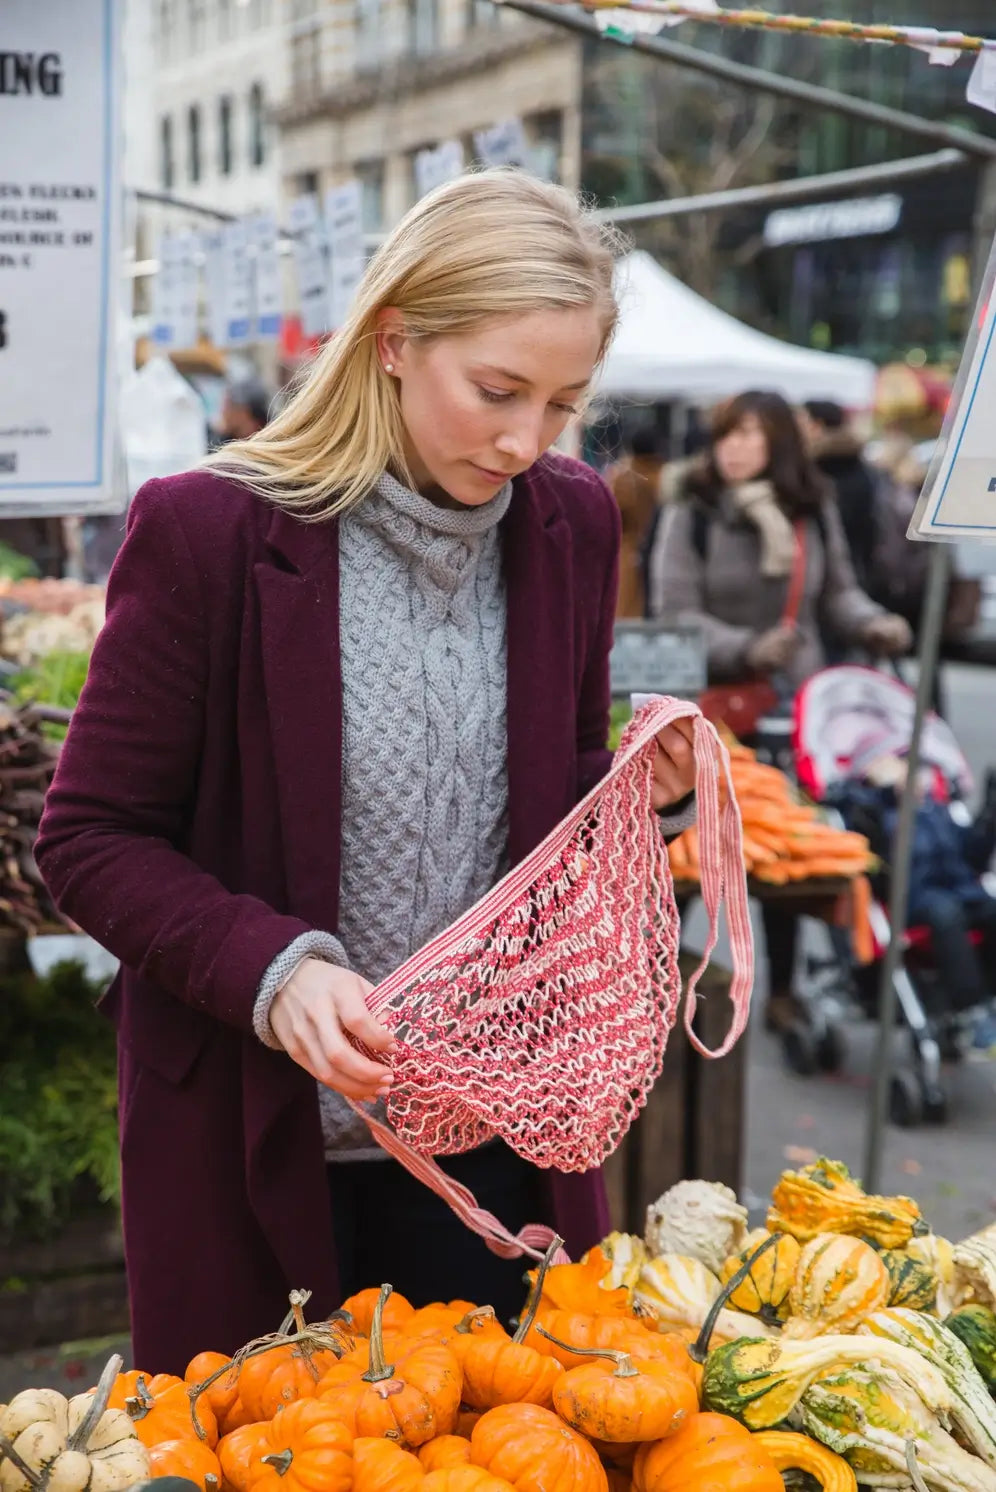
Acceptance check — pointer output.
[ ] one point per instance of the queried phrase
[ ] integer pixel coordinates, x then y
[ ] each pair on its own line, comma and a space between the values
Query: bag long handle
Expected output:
723, 881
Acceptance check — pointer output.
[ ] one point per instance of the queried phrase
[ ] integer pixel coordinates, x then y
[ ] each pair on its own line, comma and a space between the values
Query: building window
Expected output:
167, 174
197, 24
423, 27
306, 59
545, 133
369, 33
307, 183
194, 143
165, 29
225, 136
257, 126
370, 175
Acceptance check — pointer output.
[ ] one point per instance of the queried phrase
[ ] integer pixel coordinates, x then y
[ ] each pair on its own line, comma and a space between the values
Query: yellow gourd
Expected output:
839, 1281
824, 1198
765, 1291
793, 1452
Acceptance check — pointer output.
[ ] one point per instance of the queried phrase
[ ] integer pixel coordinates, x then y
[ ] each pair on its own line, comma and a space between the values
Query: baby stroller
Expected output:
836, 715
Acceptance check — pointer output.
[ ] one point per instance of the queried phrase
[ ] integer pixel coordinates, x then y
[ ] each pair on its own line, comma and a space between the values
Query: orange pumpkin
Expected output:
445, 1451
466, 1420
619, 1480
304, 1448
709, 1450
281, 1376
236, 1418
535, 1451
382, 1466
223, 1392
438, 1317
235, 1453
579, 1288
187, 1458
621, 1456
394, 1316
464, 1479
575, 1329
415, 1400
499, 1369
618, 1399
160, 1409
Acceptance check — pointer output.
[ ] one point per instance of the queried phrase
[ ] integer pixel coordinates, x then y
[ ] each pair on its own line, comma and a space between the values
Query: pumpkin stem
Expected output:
80, 1438
298, 1300
625, 1367
913, 1467
480, 1313
379, 1370
7, 1452
280, 1461
141, 1402
699, 1350
210, 1482
536, 1291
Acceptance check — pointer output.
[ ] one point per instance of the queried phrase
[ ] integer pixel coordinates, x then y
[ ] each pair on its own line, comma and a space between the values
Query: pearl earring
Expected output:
388, 367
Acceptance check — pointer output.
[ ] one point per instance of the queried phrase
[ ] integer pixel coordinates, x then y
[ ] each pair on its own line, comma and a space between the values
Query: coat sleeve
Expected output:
595, 698
677, 594
844, 607
112, 841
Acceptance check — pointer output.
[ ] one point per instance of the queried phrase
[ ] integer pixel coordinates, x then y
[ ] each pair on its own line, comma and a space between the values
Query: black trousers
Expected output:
781, 930
967, 973
390, 1228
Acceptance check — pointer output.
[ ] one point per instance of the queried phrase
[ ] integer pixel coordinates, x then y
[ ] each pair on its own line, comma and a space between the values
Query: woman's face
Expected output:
743, 454
480, 407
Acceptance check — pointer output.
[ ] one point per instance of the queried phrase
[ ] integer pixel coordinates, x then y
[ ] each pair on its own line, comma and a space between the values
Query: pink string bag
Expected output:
541, 1016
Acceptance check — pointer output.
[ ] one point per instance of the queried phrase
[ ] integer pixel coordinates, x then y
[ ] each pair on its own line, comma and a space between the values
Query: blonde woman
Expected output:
351, 672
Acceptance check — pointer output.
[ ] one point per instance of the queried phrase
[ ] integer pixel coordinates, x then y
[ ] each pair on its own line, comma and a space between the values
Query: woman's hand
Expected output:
310, 1018
771, 651
888, 635
674, 764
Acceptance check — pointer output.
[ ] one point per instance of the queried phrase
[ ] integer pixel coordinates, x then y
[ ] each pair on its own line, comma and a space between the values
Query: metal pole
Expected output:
742, 76
788, 191
931, 629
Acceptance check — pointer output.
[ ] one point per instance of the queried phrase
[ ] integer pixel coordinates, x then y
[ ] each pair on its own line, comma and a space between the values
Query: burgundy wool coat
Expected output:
193, 830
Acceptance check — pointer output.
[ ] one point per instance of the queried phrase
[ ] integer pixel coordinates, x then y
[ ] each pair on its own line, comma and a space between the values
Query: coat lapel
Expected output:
540, 661
298, 592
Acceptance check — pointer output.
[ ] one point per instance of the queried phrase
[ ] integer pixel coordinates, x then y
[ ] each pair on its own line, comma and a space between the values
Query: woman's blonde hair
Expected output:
489, 244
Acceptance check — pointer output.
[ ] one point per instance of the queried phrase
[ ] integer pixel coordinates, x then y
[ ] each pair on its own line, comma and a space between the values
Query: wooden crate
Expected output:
692, 1124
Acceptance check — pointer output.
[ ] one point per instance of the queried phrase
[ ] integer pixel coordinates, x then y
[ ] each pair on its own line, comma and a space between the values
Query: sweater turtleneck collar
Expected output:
390, 496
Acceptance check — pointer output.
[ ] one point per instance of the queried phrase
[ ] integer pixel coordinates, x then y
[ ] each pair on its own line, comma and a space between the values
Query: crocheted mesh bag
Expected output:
541, 1016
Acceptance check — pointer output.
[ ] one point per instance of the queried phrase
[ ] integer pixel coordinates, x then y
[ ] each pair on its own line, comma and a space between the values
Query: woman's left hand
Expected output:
674, 764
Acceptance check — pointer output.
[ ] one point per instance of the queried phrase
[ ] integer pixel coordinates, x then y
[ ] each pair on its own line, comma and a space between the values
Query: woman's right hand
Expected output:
310, 1017
773, 649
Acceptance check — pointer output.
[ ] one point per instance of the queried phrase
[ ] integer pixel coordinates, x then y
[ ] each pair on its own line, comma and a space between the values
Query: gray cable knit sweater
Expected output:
424, 781
424, 778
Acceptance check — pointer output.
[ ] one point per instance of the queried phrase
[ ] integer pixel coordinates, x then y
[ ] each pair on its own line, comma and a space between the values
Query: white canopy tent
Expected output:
673, 345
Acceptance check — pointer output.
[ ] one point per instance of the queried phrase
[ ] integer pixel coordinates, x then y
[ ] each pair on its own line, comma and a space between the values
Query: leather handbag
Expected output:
741, 706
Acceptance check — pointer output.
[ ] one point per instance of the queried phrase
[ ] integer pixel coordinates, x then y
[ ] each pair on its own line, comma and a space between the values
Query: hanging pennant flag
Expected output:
503, 144
982, 83
640, 23
435, 166
267, 286
310, 263
347, 259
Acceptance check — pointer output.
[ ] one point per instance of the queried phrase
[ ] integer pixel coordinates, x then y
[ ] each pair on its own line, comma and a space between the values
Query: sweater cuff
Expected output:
675, 818
283, 968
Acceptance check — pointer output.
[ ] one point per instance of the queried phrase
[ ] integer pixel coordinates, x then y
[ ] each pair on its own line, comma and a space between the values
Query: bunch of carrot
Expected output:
784, 839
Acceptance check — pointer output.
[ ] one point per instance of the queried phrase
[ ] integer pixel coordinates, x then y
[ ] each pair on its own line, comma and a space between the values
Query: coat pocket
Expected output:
159, 1031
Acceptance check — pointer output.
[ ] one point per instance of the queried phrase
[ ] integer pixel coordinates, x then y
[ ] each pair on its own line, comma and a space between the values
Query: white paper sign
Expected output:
60, 255
175, 291
310, 264
238, 283
503, 144
435, 167
212, 247
982, 83
959, 499
267, 285
347, 260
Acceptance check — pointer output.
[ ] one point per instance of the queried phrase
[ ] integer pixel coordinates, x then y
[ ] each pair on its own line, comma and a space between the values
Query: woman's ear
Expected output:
391, 339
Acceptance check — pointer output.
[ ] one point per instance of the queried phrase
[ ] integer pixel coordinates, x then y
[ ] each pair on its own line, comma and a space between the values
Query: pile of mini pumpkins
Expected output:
586, 1395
